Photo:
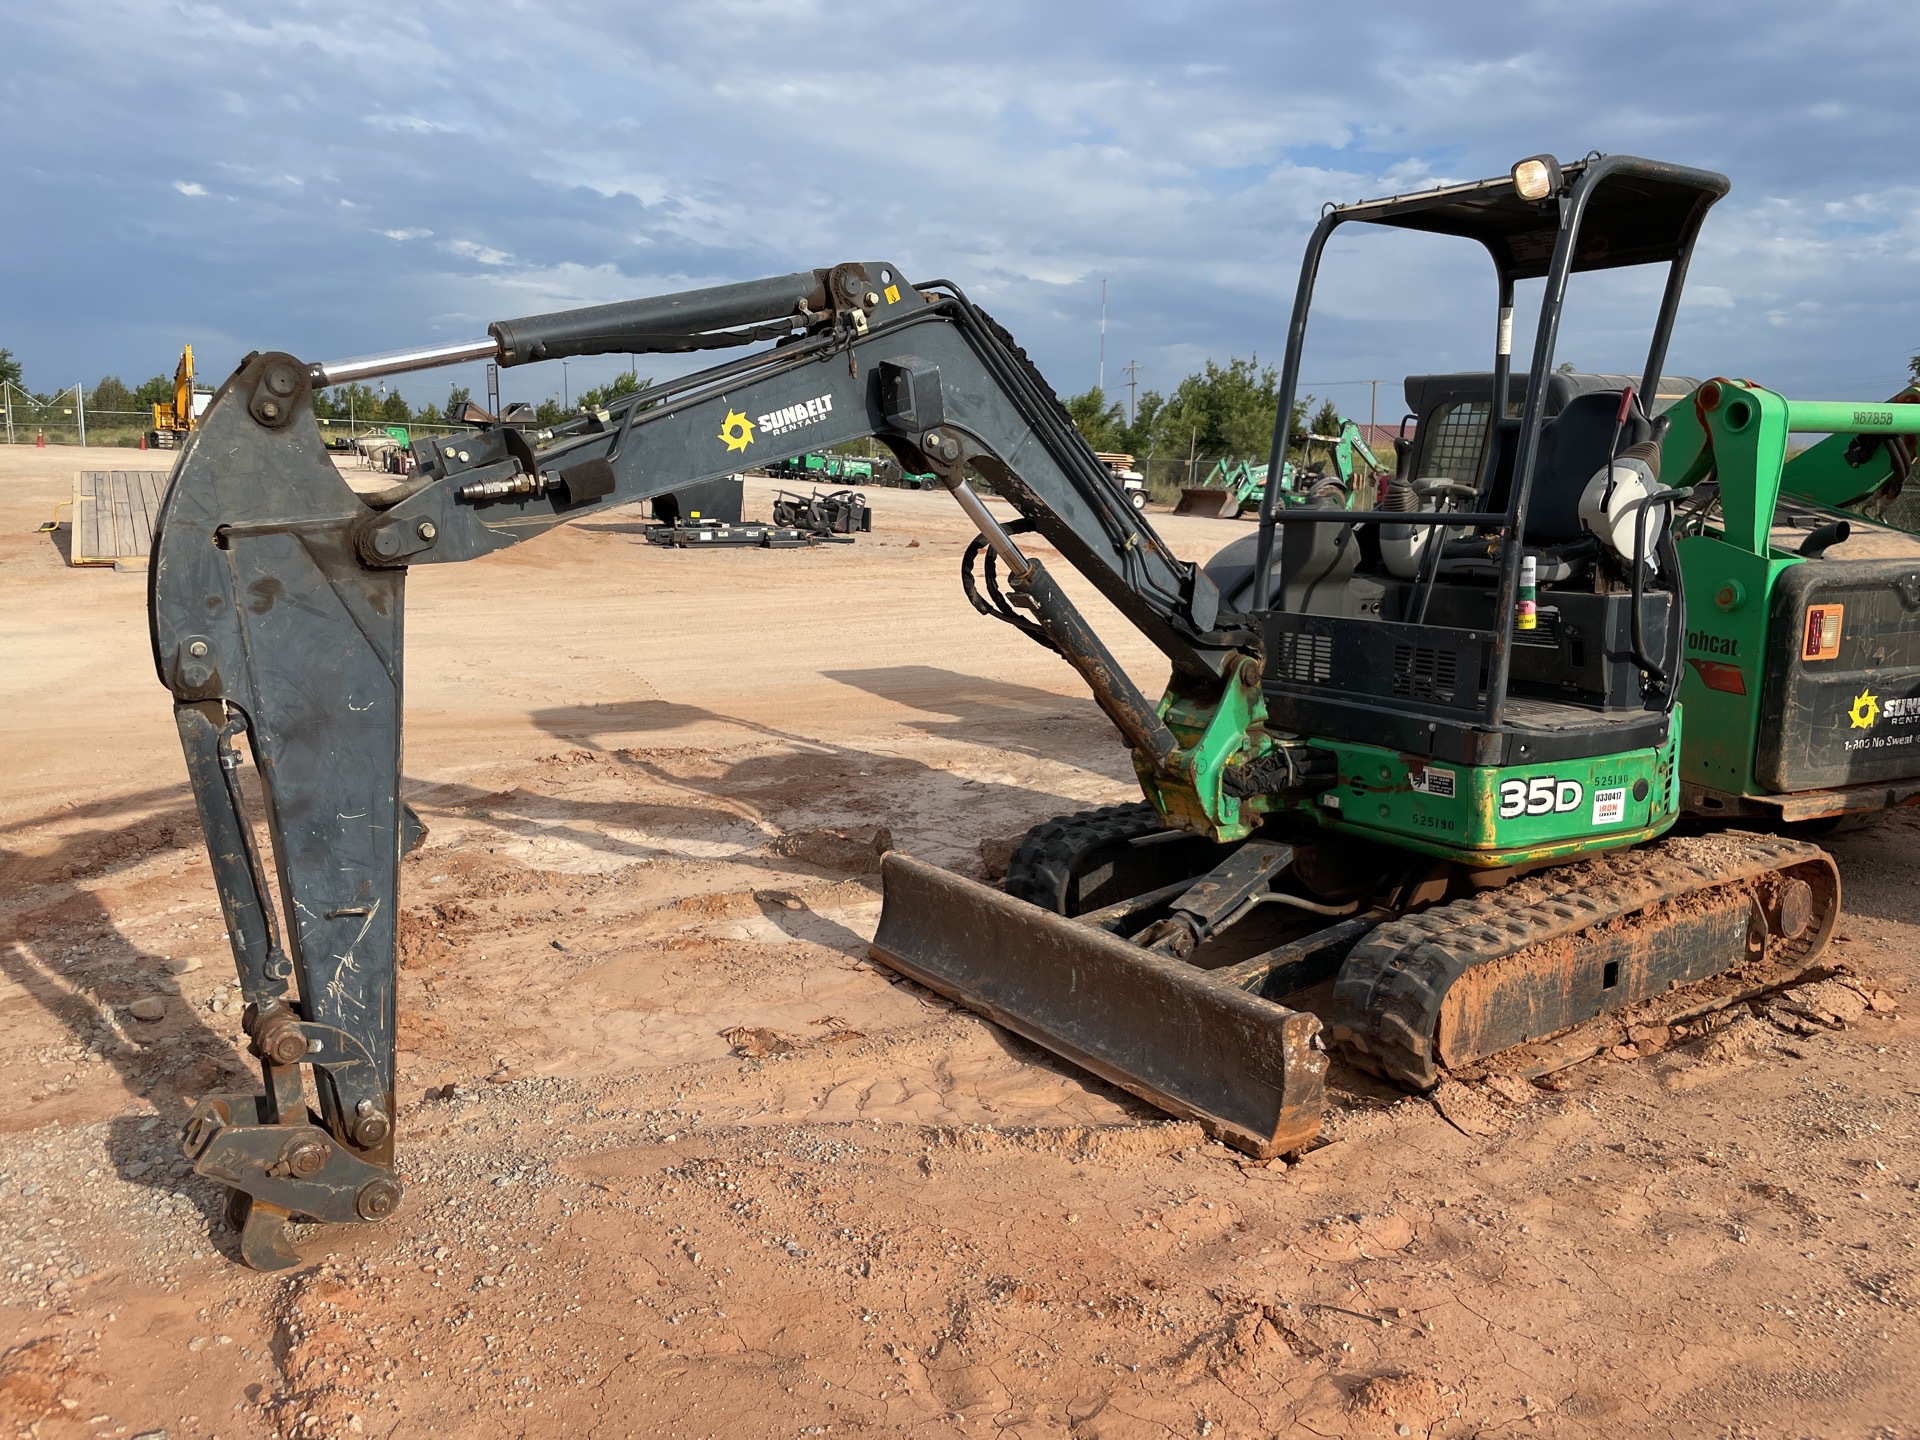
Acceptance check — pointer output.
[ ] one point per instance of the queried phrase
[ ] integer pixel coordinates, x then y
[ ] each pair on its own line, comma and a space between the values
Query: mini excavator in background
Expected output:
1431, 742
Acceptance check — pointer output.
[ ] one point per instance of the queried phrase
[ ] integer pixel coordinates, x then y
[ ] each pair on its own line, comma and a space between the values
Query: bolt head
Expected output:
306, 1158
269, 409
370, 1129
873, 298
428, 530
286, 1046
378, 1199
197, 649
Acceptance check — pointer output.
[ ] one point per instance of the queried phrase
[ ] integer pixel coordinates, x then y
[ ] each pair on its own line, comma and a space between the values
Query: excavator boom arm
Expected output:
277, 602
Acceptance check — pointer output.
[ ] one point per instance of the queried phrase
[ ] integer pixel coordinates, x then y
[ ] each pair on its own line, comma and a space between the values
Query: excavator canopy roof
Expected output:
1637, 212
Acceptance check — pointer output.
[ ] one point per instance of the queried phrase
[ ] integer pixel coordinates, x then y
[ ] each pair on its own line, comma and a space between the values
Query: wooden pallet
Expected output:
113, 515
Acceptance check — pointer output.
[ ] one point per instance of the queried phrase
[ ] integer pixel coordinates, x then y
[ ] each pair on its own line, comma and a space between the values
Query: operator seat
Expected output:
1573, 447
1317, 560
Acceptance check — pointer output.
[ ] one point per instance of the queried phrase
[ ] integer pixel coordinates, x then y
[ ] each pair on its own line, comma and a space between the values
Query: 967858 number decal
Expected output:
1542, 795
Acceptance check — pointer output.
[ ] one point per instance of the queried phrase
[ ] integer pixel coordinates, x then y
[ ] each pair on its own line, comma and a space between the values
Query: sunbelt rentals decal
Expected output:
737, 432
1869, 711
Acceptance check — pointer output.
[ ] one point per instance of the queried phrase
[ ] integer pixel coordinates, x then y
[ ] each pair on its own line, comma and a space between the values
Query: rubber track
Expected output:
1387, 999
1042, 867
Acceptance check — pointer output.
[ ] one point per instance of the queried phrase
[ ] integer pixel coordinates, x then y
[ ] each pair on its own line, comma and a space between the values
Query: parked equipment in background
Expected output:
859, 470
1235, 487
720, 534
817, 467
1132, 483
707, 514
1457, 824
175, 419
839, 512
719, 501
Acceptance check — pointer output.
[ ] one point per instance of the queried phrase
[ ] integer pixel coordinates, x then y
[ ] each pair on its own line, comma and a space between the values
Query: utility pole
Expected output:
6, 404
1132, 372
1103, 337
80, 413
1373, 413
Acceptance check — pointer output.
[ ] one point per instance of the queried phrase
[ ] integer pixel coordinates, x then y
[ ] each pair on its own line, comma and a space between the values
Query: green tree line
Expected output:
1221, 410
365, 403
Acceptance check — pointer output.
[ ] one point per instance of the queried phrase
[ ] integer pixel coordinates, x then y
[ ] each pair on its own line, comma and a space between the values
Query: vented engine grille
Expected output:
1305, 659
1423, 673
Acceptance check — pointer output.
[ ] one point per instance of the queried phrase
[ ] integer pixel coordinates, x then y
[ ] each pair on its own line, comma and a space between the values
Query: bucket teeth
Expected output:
1187, 1040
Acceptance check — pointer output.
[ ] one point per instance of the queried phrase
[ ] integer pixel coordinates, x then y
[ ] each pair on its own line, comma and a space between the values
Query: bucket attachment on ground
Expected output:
1207, 501
1191, 1041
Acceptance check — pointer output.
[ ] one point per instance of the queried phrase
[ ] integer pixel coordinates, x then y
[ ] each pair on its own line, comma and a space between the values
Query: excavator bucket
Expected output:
1209, 501
1203, 1044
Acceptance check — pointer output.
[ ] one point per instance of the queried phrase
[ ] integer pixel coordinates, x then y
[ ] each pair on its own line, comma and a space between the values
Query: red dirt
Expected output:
681, 1160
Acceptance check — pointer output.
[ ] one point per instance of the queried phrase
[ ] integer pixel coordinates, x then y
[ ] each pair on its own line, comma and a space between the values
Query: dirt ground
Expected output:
682, 1161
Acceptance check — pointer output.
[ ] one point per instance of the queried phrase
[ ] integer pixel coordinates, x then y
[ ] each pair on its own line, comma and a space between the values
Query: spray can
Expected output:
1528, 616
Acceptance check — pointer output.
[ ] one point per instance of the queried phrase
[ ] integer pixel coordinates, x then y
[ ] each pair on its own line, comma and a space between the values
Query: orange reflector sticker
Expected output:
1822, 638
1718, 675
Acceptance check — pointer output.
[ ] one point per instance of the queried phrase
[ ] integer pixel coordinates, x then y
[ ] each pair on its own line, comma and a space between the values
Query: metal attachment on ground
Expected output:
839, 512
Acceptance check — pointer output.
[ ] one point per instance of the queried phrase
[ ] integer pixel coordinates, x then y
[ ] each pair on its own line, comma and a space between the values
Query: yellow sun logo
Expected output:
737, 431
1866, 710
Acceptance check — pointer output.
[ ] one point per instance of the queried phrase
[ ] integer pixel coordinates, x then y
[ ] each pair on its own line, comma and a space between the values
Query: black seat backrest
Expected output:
1573, 447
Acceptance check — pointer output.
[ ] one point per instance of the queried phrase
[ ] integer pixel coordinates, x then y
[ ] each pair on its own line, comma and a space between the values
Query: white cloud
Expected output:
414, 124
189, 187
406, 234
485, 254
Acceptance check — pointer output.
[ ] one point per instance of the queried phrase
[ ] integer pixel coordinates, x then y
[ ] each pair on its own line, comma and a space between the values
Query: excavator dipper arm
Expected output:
277, 603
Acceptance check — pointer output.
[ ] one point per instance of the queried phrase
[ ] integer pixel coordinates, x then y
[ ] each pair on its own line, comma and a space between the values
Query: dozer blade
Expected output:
1205, 500
1187, 1040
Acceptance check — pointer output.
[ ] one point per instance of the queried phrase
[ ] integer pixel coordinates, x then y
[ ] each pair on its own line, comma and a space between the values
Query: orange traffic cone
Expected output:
40, 439
143, 440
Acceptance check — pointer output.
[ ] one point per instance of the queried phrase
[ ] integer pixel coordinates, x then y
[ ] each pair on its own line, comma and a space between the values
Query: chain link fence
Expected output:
68, 418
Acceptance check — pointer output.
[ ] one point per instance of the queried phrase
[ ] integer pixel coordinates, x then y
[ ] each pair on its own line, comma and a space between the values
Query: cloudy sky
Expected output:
344, 178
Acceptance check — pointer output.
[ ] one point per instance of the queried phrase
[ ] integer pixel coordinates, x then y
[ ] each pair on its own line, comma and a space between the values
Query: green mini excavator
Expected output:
1233, 489
1408, 788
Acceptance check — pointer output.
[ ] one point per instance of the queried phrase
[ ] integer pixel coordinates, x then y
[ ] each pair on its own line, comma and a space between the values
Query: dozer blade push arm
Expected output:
277, 600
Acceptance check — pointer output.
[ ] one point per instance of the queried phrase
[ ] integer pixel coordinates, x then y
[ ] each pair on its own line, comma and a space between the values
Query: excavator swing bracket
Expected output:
1215, 731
